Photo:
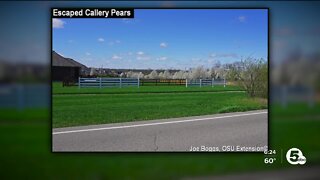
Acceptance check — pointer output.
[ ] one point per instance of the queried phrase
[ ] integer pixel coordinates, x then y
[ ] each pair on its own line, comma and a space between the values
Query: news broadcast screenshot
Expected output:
160, 90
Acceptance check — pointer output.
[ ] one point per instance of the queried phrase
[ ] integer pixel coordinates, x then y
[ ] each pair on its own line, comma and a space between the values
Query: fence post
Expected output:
224, 82
138, 82
200, 82
100, 82
186, 83
79, 85
212, 80
120, 83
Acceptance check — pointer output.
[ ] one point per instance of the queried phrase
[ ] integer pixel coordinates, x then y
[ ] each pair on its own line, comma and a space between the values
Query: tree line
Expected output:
199, 72
250, 73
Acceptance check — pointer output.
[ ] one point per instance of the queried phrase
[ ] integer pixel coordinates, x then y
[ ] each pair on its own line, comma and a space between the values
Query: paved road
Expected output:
243, 130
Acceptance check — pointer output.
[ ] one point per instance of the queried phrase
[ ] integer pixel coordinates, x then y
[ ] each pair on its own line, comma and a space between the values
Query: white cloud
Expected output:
163, 58
117, 41
100, 39
163, 45
242, 19
116, 57
140, 53
88, 54
57, 23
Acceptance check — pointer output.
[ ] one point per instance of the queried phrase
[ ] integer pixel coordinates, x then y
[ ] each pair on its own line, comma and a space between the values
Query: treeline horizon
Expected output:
216, 71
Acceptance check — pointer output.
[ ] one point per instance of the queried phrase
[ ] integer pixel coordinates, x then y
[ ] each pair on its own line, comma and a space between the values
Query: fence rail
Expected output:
162, 82
108, 82
125, 82
205, 82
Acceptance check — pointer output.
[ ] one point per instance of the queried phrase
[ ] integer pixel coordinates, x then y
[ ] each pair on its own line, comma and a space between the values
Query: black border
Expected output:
163, 152
94, 17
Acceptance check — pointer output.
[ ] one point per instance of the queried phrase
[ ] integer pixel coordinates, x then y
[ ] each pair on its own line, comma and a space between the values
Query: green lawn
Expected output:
73, 110
73, 106
15, 115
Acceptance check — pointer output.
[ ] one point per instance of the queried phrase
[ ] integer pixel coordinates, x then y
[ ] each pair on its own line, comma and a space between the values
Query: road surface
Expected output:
242, 131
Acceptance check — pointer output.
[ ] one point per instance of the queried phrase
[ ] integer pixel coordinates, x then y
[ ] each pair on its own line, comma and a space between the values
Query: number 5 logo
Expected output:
295, 156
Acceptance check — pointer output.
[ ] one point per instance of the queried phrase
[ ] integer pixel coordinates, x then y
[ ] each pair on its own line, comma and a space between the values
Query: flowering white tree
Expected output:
93, 71
167, 74
141, 75
187, 75
153, 75
220, 73
161, 75
212, 73
198, 73
131, 74
179, 75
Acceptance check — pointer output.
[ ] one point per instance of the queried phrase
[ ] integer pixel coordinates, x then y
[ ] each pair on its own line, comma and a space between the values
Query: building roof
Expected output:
58, 60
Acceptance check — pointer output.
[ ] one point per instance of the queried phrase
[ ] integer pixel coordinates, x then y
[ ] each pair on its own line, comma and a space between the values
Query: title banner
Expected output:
92, 13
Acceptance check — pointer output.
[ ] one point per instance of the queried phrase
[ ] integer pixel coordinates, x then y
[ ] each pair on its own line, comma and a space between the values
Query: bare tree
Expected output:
252, 75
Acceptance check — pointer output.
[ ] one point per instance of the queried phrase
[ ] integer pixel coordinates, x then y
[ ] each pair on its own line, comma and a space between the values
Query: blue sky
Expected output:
164, 38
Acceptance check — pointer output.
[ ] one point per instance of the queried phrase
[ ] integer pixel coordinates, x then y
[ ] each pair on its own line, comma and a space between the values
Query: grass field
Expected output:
26, 153
73, 109
15, 115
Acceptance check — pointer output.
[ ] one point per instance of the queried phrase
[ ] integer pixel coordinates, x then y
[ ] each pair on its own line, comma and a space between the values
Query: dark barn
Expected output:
65, 69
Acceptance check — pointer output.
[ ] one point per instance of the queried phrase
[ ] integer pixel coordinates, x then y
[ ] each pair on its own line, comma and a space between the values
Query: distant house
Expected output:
66, 69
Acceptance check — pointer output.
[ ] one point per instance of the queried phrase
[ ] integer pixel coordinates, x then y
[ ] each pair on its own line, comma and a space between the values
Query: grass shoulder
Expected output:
75, 110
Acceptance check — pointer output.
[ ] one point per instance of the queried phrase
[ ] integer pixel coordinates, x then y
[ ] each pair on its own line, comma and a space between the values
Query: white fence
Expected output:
205, 82
107, 82
125, 82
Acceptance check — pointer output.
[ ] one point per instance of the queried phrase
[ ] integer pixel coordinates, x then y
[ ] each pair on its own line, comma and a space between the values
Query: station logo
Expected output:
295, 156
